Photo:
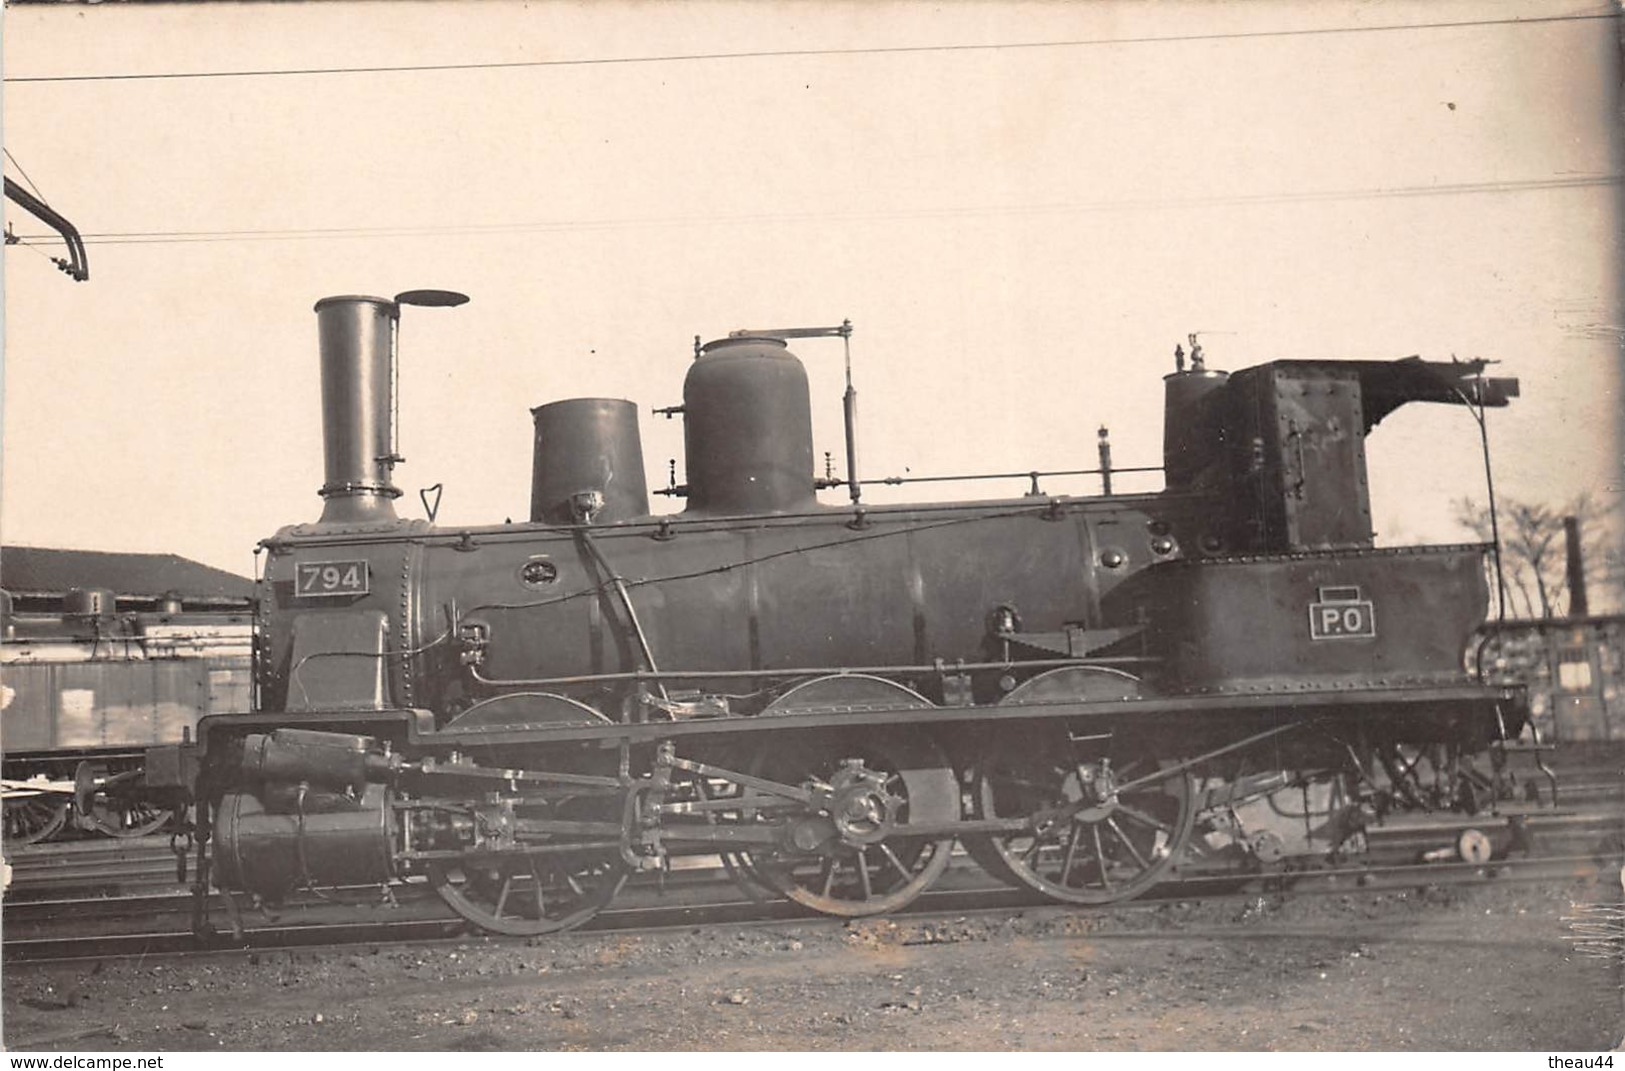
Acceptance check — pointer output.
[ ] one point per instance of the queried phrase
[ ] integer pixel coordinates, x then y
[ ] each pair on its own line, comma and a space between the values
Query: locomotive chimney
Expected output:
356, 337
358, 397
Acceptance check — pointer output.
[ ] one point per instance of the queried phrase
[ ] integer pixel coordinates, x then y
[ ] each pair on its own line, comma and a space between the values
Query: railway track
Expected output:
1536, 848
108, 867
426, 920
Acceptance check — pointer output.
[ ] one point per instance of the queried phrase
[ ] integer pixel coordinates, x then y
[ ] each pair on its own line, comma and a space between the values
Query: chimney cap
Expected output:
422, 298
431, 298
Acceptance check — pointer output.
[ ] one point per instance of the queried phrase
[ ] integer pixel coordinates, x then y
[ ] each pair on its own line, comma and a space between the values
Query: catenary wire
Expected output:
875, 50
31, 247
1131, 204
31, 183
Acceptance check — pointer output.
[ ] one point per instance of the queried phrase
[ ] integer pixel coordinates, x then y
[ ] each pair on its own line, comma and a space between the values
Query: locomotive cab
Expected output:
1284, 442
1299, 598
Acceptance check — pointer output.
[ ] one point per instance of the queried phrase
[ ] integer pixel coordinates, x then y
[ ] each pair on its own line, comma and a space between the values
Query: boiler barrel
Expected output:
585, 445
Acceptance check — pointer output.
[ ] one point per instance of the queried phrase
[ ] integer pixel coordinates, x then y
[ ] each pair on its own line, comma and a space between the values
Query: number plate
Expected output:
1342, 620
316, 579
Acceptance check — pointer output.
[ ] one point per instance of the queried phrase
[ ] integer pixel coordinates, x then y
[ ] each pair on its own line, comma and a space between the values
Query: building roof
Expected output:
49, 572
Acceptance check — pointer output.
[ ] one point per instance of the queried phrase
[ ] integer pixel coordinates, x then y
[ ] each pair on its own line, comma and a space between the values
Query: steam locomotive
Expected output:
1082, 691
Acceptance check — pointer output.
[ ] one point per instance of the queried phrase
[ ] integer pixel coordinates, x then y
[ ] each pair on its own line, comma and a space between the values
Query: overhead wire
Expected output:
1052, 208
31, 183
12, 239
789, 53
31, 247
169, 237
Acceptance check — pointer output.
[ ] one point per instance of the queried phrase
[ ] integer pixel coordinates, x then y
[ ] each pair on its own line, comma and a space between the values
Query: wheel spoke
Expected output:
1100, 854
575, 884
1071, 852
1129, 844
539, 884
886, 850
1143, 818
828, 875
863, 874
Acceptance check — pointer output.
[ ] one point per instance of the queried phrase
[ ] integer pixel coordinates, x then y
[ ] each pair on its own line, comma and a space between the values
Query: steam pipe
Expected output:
1105, 460
849, 401
849, 407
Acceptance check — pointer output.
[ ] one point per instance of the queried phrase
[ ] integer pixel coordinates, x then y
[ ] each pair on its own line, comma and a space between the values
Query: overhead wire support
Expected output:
76, 264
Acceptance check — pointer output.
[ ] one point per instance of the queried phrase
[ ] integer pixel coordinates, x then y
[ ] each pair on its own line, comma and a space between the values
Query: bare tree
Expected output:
1534, 556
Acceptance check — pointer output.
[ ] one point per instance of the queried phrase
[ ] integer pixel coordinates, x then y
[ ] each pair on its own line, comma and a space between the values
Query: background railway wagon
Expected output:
104, 655
1574, 669
67, 695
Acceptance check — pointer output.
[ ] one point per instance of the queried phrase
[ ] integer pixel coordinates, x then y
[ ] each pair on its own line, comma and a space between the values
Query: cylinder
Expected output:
330, 760
1192, 429
587, 446
747, 429
272, 853
357, 428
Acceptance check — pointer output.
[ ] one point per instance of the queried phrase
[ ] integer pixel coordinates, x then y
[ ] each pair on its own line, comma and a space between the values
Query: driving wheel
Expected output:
848, 853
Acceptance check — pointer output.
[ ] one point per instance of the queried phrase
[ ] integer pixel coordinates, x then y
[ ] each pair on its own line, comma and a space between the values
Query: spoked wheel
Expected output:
854, 864
120, 819
845, 854
1101, 834
1107, 826
31, 819
523, 896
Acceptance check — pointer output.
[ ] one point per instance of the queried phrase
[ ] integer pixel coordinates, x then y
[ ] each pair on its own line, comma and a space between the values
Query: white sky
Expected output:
1019, 234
